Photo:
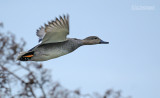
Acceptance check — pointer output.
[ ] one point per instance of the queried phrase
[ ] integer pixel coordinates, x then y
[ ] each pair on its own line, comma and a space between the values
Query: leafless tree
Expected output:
30, 79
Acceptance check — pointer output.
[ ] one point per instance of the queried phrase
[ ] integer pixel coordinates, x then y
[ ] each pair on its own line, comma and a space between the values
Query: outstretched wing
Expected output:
55, 31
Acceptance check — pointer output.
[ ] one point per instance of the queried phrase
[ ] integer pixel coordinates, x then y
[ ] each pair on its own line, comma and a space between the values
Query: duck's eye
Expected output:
95, 38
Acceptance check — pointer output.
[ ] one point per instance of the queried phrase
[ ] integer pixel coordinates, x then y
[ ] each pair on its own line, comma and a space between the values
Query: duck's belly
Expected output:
48, 54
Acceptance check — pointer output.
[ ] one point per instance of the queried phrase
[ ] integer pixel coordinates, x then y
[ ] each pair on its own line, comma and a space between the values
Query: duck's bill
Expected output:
103, 42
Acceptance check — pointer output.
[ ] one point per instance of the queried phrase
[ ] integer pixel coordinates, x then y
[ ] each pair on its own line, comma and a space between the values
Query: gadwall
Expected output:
53, 41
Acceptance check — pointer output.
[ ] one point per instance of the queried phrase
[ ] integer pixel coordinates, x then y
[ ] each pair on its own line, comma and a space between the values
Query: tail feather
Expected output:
25, 56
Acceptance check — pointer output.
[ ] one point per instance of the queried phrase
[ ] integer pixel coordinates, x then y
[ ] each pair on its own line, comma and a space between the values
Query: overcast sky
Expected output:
131, 62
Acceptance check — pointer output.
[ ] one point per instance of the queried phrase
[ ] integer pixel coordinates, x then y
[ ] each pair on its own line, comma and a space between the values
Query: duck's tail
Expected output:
25, 56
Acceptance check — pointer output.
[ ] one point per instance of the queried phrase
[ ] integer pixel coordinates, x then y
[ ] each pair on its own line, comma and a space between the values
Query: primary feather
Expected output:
54, 31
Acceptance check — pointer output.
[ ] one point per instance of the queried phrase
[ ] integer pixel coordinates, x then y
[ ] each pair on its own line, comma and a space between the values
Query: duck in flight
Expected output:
54, 43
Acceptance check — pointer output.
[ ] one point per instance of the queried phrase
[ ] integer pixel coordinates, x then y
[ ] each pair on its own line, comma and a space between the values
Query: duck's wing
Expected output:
41, 33
55, 31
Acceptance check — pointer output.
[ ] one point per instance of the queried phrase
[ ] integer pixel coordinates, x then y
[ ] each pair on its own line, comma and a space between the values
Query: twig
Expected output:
4, 68
40, 85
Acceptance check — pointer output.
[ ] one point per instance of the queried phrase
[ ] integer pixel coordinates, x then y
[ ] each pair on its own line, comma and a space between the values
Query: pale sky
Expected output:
131, 62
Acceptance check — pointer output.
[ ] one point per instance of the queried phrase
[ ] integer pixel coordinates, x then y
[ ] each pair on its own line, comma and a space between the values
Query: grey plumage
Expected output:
55, 43
45, 51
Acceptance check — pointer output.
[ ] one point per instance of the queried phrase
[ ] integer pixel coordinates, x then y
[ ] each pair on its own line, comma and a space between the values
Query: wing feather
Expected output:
41, 33
56, 31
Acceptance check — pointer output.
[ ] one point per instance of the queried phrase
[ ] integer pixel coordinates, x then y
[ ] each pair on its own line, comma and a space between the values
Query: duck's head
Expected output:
93, 40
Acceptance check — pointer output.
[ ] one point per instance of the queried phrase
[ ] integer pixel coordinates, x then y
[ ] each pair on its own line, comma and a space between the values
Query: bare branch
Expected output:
40, 85
4, 68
